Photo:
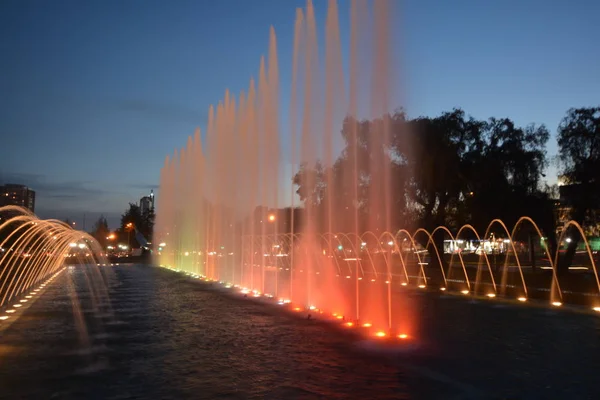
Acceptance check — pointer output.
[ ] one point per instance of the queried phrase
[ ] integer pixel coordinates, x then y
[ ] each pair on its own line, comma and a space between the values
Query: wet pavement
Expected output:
156, 334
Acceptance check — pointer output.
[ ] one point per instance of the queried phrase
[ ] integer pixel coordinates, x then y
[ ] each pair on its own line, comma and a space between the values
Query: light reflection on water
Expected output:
172, 338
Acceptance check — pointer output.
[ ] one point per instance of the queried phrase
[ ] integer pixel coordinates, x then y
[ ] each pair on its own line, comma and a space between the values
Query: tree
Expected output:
100, 231
579, 153
143, 222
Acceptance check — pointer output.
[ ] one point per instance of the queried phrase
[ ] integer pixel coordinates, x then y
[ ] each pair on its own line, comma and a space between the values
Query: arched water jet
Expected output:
587, 248
477, 279
379, 246
35, 255
437, 253
547, 251
462, 263
512, 244
404, 232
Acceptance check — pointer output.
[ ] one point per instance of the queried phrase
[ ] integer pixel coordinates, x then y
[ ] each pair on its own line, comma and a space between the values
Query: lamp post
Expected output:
129, 228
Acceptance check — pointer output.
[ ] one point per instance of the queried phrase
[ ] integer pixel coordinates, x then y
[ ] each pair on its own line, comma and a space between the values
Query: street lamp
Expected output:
129, 226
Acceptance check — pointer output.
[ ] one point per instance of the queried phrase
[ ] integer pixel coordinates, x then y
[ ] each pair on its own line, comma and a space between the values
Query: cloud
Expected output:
83, 220
56, 190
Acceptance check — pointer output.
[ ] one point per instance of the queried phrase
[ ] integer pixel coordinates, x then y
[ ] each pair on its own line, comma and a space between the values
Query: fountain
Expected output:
34, 252
219, 215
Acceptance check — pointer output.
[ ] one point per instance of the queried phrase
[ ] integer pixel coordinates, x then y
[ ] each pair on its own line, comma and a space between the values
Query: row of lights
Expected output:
256, 293
286, 302
34, 292
523, 299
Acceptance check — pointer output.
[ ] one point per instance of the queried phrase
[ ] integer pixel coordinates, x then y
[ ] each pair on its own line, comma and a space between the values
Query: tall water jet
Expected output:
223, 205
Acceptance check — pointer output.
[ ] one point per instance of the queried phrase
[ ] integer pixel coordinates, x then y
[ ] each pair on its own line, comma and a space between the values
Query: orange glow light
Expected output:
380, 334
367, 325
403, 336
349, 324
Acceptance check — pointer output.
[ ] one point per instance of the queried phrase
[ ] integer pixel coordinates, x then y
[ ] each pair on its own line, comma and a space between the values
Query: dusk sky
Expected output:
95, 93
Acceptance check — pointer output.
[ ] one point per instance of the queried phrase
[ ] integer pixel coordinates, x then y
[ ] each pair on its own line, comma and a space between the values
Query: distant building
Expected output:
17, 195
147, 203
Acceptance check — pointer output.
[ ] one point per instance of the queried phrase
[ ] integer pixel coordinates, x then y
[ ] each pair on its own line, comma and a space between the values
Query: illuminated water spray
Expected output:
33, 252
220, 215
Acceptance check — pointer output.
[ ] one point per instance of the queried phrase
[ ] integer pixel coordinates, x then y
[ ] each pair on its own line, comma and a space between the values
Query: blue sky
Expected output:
95, 93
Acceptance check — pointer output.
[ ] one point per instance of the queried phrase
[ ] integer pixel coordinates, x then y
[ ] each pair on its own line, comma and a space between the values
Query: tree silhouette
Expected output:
143, 222
100, 231
579, 152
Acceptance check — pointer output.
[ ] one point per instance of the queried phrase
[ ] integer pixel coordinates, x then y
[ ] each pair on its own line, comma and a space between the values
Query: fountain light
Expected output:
23, 300
28, 297
312, 308
17, 305
491, 295
3, 317
403, 336
465, 291
443, 289
297, 309
597, 309
404, 283
421, 286
340, 317
556, 303
349, 324
380, 334
367, 325
10, 311
522, 299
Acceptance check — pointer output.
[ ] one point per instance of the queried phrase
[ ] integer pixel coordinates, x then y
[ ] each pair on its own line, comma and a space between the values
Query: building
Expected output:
17, 195
147, 203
